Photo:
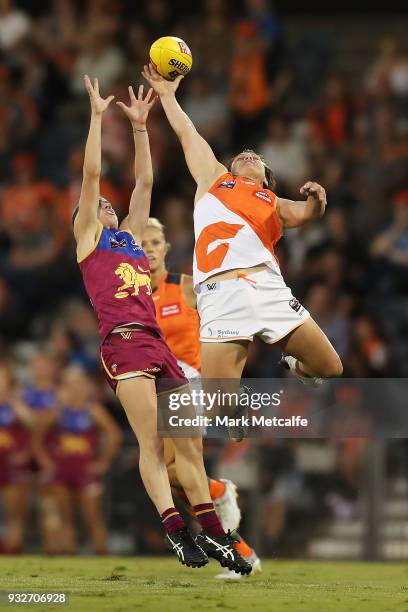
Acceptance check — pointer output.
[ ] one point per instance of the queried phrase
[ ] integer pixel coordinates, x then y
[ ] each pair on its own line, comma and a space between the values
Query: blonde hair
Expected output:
156, 224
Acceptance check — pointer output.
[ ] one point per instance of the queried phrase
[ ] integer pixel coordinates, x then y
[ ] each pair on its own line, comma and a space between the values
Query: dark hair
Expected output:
270, 182
76, 209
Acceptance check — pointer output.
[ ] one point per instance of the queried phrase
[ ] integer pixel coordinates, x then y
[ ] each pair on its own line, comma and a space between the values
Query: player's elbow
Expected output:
92, 172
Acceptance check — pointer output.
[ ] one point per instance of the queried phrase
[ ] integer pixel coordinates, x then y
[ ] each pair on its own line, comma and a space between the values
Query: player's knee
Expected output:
332, 368
172, 473
151, 446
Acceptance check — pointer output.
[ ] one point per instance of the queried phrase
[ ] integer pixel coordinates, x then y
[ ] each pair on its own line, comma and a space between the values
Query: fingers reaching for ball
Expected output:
160, 85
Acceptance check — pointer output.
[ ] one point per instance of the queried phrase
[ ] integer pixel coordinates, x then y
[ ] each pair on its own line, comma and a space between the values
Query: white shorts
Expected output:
240, 308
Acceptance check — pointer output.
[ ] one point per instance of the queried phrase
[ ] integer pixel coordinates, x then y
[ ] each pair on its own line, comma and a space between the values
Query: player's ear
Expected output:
168, 247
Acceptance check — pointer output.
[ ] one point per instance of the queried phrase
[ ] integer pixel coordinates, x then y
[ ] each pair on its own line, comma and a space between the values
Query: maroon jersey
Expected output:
117, 279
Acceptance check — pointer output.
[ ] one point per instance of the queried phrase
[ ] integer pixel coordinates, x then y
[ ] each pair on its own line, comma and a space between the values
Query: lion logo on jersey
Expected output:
132, 280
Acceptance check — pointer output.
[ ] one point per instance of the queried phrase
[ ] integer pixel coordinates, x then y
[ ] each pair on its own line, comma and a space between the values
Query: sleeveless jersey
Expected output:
236, 225
14, 436
117, 279
179, 322
39, 399
75, 435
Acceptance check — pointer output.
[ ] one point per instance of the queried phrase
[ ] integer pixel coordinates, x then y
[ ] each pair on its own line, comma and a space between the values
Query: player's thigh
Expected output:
139, 400
15, 498
223, 359
65, 502
90, 504
310, 345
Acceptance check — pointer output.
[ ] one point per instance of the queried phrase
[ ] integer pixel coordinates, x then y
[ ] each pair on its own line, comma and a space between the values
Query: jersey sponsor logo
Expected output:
213, 244
184, 48
133, 280
227, 185
170, 310
262, 195
115, 244
296, 305
155, 369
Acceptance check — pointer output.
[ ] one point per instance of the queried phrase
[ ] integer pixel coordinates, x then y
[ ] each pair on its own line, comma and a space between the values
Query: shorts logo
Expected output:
227, 184
126, 335
114, 367
296, 305
227, 333
170, 310
211, 286
262, 195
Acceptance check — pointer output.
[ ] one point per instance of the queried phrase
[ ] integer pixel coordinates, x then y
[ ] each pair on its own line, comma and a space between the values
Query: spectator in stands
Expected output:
14, 25
330, 120
249, 93
99, 56
286, 153
372, 346
323, 307
390, 247
15, 451
80, 450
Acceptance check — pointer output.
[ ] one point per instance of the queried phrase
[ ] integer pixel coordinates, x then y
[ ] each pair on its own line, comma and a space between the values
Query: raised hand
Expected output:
314, 189
160, 85
139, 108
98, 104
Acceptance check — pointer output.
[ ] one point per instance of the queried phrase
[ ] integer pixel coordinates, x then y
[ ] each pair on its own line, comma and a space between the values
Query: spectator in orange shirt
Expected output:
249, 93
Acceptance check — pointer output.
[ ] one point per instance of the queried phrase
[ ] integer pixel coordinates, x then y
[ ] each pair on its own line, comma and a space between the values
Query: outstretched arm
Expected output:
113, 439
139, 208
86, 222
296, 213
201, 161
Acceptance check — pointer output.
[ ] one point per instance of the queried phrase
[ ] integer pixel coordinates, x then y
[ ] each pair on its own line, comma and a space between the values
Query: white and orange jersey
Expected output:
236, 226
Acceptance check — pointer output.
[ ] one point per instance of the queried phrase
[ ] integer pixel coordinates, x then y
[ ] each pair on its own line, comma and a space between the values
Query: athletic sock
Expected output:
208, 519
172, 520
243, 548
217, 488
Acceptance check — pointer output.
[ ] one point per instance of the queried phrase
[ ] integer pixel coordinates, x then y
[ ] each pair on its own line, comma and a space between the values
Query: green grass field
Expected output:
122, 584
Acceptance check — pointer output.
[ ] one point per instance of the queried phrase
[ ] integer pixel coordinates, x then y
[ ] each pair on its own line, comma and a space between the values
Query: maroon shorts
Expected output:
140, 353
12, 474
75, 475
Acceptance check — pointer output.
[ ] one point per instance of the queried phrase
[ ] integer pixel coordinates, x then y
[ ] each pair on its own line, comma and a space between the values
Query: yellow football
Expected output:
171, 57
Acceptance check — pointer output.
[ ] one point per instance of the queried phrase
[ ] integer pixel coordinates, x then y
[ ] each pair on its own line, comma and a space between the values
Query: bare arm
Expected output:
201, 161
113, 437
139, 208
297, 213
188, 290
86, 222
385, 242
40, 430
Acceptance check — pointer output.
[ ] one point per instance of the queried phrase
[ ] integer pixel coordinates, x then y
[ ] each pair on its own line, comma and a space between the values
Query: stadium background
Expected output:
321, 97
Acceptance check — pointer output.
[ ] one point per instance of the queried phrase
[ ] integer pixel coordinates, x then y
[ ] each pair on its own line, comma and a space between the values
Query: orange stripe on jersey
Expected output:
247, 200
178, 321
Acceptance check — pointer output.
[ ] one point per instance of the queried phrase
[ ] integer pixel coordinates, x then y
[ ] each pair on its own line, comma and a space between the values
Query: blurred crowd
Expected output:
250, 86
